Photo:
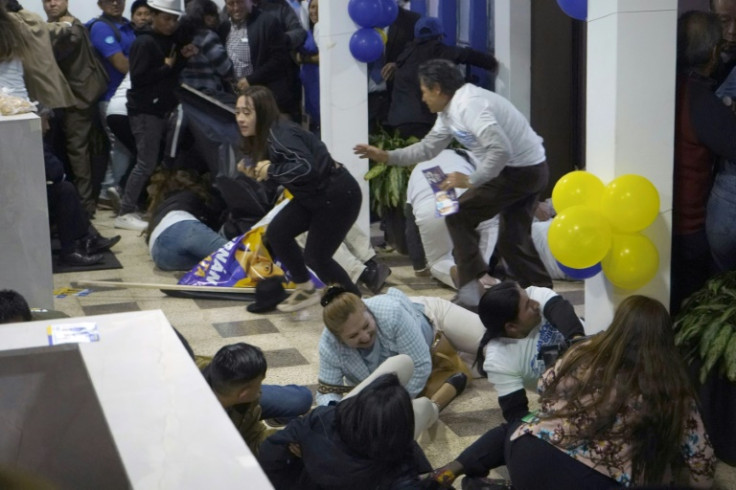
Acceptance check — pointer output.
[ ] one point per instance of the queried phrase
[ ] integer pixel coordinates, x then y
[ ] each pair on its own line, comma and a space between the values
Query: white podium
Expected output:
128, 411
25, 246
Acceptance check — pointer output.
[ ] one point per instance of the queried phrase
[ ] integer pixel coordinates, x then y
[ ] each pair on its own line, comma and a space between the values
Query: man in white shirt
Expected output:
511, 171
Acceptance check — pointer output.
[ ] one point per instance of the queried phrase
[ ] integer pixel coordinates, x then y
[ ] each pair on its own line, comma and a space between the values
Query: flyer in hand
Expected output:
446, 202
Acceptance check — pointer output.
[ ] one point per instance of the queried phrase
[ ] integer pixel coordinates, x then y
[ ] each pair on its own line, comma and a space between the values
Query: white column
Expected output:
25, 260
513, 45
343, 95
630, 122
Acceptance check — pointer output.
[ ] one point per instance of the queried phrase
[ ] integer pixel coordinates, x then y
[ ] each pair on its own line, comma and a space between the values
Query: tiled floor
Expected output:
288, 340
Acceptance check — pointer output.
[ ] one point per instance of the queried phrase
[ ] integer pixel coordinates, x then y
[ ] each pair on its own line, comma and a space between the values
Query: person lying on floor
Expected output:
520, 325
363, 442
236, 374
617, 410
184, 215
432, 251
361, 335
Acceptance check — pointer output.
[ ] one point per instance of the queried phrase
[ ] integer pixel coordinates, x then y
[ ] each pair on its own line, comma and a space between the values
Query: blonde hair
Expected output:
338, 305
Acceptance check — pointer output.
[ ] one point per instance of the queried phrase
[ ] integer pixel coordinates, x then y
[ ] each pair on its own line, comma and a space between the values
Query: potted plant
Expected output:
388, 188
705, 331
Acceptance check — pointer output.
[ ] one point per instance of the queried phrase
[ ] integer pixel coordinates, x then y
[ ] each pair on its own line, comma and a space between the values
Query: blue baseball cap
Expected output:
427, 28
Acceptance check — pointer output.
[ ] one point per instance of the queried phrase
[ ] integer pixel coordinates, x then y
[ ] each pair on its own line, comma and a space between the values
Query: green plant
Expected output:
705, 328
388, 182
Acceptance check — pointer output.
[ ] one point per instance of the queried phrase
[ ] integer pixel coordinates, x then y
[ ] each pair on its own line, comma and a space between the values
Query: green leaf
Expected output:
375, 171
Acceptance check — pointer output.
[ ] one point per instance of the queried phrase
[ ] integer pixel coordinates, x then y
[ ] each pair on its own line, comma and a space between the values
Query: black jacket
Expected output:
299, 160
293, 30
406, 97
153, 82
327, 463
186, 200
400, 33
269, 55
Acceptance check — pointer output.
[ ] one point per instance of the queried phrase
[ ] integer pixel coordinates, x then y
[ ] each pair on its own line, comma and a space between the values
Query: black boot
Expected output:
374, 275
80, 259
94, 244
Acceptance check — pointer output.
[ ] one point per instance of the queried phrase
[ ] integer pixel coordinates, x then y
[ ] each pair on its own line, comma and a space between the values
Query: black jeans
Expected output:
327, 217
65, 209
532, 462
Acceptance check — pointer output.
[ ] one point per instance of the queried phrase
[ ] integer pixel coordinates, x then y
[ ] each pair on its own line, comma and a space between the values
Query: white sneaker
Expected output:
299, 299
130, 221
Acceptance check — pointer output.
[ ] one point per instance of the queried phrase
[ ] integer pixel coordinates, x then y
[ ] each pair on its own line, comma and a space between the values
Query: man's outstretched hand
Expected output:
368, 151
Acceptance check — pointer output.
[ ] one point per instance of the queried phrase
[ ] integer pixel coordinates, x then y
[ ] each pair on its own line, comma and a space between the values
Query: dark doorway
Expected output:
558, 87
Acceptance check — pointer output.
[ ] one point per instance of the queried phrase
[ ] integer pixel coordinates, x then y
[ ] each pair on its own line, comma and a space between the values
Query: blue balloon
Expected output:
586, 273
366, 45
577, 9
390, 12
366, 13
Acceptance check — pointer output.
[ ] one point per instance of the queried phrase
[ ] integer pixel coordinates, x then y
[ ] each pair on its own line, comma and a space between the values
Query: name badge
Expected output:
244, 40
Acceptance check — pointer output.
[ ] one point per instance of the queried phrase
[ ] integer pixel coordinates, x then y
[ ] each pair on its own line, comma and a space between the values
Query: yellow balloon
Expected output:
630, 202
577, 188
579, 237
384, 37
632, 262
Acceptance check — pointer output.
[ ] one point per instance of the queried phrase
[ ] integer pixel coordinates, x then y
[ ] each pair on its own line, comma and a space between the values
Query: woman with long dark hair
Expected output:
616, 410
364, 442
326, 198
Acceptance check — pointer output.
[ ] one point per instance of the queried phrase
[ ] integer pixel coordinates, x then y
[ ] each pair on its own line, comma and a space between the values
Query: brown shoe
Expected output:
450, 389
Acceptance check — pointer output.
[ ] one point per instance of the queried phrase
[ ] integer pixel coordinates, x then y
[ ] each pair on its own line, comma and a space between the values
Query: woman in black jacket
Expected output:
326, 198
364, 442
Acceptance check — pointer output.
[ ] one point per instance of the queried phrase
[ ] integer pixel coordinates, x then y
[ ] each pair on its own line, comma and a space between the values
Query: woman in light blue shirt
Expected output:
390, 333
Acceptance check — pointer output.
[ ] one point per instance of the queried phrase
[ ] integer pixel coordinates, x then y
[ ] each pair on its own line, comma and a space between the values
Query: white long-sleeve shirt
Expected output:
488, 125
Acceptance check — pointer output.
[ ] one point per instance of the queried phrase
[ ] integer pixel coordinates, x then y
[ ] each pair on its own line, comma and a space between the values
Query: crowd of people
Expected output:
138, 118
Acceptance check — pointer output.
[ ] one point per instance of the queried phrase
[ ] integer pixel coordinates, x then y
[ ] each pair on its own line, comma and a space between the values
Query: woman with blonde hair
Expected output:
391, 333
616, 410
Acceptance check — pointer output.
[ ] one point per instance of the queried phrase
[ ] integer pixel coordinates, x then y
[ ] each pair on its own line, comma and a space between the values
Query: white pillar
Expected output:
343, 95
25, 260
630, 111
513, 48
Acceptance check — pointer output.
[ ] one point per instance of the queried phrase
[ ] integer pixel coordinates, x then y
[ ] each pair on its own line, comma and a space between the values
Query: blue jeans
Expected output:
720, 219
287, 402
182, 245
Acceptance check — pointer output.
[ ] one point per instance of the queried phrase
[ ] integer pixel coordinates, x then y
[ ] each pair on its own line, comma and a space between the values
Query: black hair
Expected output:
498, 306
138, 4
234, 365
443, 73
378, 422
196, 10
698, 33
13, 6
13, 306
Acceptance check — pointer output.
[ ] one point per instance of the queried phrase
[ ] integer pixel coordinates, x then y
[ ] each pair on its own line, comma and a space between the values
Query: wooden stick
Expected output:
170, 287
